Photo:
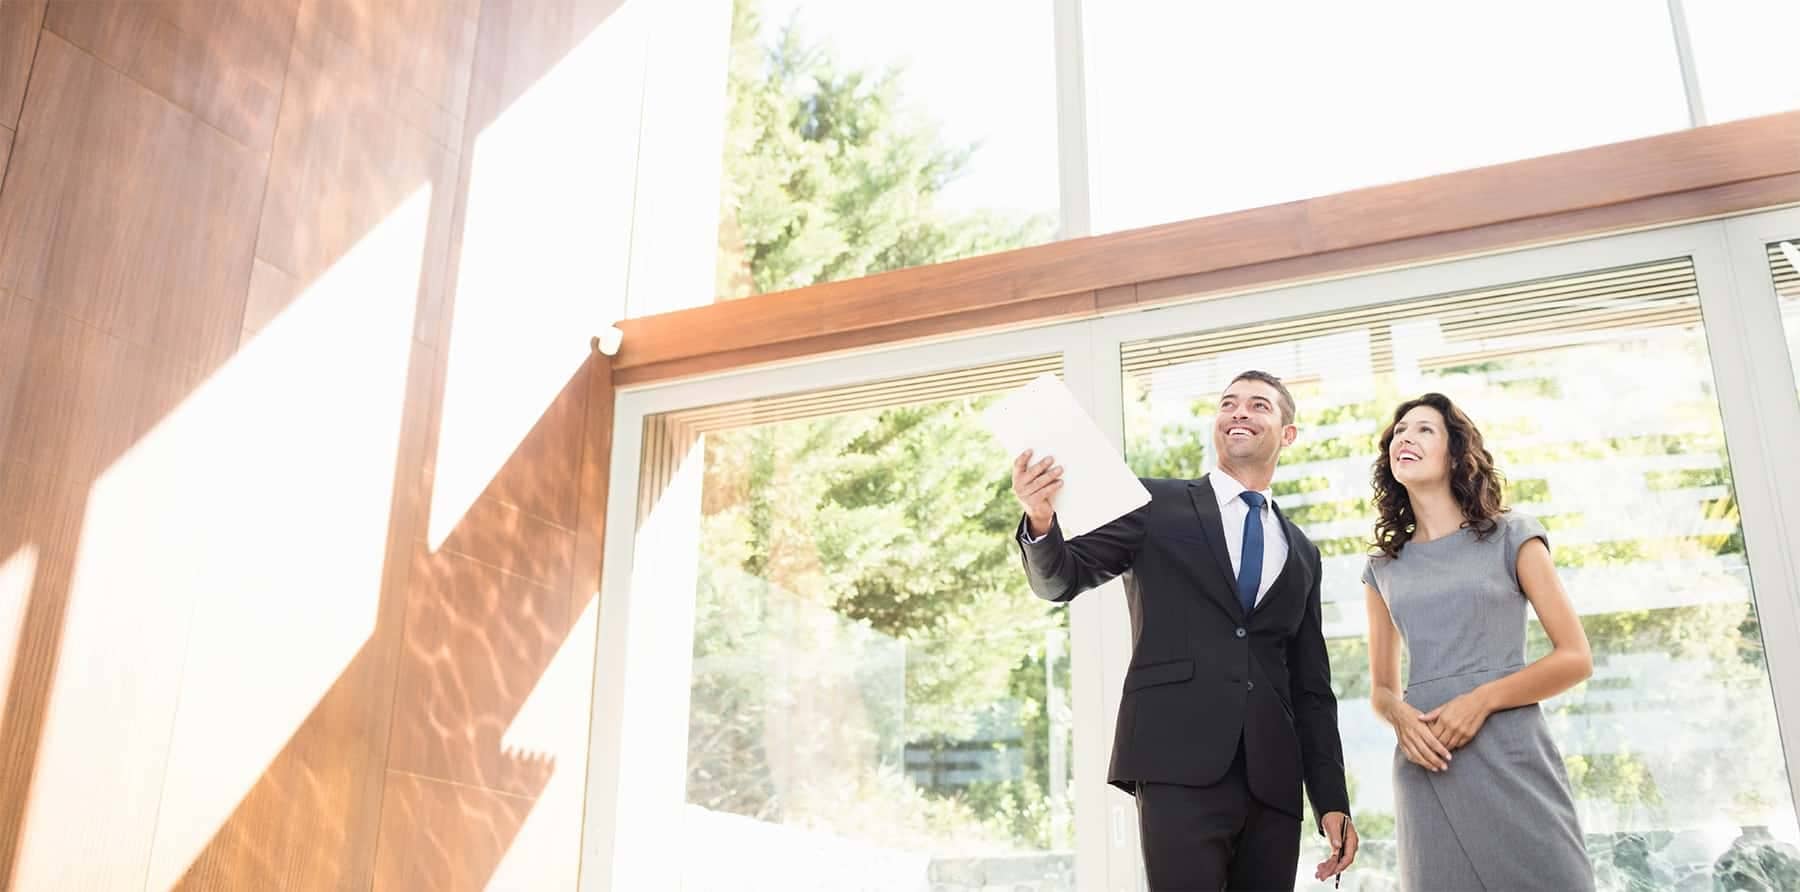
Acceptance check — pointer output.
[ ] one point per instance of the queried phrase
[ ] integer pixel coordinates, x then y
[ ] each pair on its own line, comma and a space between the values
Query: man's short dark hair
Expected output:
1287, 399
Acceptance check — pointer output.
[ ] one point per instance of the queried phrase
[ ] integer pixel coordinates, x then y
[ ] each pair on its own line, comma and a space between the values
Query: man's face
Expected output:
1248, 430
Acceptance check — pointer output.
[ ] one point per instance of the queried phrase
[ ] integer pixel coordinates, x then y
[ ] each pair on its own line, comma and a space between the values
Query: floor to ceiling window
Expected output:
875, 699
828, 665
1596, 394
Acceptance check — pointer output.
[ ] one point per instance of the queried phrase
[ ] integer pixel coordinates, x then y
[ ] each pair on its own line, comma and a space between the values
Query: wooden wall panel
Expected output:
487, 759
223, 60
308, 822
127, 213
345, 157
70, 372
493, 625
271, 290
19, 30
539, 477
596, 464
6, 141
427, 47
477, 641
311, 820
141, 271
515, 541
17, 319
81, 779
105, 331
139, 268
42, 522
354, 148
522, 40
443, 836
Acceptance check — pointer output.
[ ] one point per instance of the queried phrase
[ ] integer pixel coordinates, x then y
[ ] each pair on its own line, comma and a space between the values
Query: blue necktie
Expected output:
1251, 559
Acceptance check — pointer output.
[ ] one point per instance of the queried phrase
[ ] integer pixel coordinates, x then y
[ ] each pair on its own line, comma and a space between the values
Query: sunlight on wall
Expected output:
16, 576
553, 724
230, 569
545, 251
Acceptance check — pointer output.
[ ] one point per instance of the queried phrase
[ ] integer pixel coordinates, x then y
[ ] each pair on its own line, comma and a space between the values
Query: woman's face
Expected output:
1419, 453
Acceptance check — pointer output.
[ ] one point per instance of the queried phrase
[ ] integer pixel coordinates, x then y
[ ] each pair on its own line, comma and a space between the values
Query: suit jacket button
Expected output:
1249, 685
1241, 633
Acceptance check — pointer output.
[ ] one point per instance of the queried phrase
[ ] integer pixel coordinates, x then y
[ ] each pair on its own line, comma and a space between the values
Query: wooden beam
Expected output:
1689, 174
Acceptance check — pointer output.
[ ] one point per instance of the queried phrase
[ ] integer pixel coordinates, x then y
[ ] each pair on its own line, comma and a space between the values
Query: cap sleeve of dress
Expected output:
1370, 578
1520, 529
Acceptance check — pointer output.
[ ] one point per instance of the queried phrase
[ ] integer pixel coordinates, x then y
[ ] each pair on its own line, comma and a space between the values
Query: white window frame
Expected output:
1755, 378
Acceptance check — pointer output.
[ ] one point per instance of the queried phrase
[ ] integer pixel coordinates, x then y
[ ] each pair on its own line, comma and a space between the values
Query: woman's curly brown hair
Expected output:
1474, 481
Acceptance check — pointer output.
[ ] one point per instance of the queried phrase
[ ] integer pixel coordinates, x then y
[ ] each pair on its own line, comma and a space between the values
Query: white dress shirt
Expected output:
1232, 511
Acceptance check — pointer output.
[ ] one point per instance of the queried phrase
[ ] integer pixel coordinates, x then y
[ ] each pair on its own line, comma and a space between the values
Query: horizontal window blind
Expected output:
1787, 278
1467, 326
874, 395
669, 437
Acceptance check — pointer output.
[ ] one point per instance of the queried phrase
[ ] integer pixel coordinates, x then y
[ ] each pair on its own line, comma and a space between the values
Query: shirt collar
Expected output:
1227, 489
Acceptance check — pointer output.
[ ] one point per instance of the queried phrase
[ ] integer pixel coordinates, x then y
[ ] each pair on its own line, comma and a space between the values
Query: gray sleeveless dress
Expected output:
1501, 816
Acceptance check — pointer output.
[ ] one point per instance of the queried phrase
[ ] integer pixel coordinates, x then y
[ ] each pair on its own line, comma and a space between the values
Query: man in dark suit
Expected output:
1228, 706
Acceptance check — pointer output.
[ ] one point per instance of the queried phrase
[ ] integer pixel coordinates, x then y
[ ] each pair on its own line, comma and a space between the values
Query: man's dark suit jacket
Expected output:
1202, 673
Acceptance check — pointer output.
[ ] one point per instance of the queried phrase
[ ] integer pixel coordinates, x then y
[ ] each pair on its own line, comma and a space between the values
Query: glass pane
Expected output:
1595, 394
1784, 265
1203, 108
1746, 55
862, 138
877, 699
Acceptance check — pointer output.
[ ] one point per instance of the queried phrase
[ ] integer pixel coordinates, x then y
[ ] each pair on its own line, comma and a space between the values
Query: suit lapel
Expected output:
1212, 526
1289, 567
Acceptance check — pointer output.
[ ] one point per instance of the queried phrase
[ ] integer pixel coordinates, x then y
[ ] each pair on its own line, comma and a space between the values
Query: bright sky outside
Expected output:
1199, 108
1748, 56
989, 79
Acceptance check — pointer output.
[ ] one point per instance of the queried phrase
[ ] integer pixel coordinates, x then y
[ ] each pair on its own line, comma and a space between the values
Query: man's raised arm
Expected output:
1059, 569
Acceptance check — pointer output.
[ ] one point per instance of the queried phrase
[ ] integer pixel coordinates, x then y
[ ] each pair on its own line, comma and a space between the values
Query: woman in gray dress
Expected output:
1480, 793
